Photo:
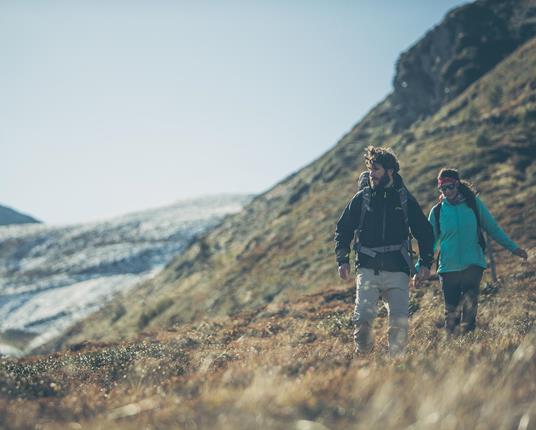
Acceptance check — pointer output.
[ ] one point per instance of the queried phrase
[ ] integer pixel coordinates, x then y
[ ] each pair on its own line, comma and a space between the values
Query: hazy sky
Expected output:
107, 107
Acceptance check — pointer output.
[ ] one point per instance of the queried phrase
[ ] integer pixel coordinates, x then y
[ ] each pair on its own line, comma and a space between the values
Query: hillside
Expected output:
10, 216
291, 367
482, 120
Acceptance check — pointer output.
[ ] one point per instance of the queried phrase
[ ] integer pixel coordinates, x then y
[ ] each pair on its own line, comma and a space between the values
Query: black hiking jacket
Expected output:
382, 226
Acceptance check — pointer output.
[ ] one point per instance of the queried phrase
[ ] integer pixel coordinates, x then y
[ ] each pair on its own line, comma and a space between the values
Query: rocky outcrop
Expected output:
469, 42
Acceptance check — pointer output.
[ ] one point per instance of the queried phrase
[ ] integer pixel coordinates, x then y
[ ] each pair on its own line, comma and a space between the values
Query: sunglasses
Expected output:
447, 187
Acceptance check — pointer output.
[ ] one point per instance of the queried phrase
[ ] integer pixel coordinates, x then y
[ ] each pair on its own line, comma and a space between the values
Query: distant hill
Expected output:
464, 96
9, 216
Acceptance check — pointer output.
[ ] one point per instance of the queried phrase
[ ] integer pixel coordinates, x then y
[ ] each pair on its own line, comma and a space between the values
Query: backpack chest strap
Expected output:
374, 251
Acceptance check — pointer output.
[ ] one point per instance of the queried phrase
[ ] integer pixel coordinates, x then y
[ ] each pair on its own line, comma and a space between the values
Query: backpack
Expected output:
363, 184
471, 202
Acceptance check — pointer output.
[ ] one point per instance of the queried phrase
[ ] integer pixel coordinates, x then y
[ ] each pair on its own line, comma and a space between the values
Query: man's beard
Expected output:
382, 182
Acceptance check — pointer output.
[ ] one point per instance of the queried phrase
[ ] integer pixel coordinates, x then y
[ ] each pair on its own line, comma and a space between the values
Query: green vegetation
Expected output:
482, 140
495, 95
148, 315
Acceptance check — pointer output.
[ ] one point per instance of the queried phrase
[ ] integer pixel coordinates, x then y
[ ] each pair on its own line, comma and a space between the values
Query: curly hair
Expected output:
384, 156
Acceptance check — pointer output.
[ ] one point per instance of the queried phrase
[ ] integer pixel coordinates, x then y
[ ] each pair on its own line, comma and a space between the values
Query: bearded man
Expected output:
381, 217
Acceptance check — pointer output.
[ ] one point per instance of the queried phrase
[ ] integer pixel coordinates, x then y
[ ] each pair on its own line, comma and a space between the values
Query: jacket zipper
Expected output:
384, 216
383, 225
458, 236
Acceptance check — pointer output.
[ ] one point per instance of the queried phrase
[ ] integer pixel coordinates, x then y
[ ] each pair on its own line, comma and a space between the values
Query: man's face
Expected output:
378, 175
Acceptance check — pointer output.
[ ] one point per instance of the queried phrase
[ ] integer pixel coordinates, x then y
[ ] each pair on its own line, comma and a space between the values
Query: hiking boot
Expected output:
362, 338
358, 350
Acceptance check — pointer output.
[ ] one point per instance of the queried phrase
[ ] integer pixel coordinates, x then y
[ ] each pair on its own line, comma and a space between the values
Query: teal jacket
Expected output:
458, 241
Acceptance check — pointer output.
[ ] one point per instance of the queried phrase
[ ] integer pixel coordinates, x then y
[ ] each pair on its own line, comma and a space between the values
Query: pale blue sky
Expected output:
108, 107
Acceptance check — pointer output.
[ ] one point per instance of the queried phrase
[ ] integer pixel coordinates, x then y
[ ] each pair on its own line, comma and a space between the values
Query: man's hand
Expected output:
344, 271
520, 253
423, 275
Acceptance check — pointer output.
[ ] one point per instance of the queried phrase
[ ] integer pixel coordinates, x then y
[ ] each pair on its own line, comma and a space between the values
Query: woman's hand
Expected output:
520, 253
422, 275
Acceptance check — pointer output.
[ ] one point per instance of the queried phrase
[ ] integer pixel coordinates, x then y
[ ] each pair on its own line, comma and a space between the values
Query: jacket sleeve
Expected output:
346, 225
489, 224
432, 221
422, 230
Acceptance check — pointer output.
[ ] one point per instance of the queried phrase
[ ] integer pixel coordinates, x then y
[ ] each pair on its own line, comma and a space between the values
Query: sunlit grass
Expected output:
271, 369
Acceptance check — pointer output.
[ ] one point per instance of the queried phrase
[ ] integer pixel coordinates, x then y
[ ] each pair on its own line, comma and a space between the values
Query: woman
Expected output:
461, 258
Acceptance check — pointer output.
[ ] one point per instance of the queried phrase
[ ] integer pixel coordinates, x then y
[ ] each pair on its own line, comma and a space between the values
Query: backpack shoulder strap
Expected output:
363, 181
365, 207
472, 204
403, 194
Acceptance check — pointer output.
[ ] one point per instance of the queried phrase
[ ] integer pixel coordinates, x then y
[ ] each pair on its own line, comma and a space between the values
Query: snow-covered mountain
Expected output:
51, 277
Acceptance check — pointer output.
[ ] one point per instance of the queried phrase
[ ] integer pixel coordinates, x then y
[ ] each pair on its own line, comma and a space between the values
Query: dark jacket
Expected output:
384, 225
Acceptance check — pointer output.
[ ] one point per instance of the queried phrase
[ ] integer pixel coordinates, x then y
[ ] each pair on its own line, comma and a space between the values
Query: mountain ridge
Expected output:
9, 216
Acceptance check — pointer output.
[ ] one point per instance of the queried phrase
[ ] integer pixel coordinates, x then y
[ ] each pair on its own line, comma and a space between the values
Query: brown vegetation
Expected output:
291, 365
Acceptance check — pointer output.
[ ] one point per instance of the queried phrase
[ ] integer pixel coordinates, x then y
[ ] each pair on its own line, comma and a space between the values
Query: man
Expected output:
381, 217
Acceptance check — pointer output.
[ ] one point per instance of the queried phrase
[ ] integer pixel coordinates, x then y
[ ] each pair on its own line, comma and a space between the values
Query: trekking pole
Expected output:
491, 259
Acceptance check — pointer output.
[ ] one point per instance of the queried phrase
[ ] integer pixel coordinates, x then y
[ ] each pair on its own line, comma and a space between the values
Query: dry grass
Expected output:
291, 365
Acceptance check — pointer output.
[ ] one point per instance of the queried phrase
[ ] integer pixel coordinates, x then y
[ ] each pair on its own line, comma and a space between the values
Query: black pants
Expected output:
460, 290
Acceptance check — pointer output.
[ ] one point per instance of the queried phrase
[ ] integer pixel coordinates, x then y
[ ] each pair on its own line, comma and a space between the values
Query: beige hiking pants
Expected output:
393, 288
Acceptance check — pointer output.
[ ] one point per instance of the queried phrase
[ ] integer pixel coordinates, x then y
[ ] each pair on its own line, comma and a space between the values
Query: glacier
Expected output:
54, 276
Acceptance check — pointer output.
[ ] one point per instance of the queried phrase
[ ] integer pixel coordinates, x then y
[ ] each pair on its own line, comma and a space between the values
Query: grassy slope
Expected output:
278, 250
293, 362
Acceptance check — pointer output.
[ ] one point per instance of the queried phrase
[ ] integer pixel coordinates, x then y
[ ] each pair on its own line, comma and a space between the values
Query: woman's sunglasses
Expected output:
447, 187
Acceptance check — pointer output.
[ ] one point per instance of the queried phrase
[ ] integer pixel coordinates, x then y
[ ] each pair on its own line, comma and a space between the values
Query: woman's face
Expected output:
449, 190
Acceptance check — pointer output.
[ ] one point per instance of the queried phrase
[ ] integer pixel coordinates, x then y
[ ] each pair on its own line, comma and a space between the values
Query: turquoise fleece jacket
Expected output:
458, 241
